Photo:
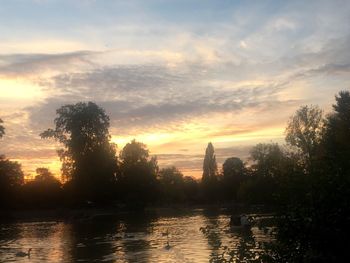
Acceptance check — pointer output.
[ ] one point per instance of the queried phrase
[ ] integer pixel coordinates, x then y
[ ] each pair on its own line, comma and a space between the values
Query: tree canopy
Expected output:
88, 158
209, 164
11, 178
267, 158
137, 176
304, 131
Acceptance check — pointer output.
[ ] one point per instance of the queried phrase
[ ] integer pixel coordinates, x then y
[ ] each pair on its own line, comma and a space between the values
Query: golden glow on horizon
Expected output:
29, 166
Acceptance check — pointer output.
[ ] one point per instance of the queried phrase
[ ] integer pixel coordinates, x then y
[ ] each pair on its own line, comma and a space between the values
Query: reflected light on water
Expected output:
132, 238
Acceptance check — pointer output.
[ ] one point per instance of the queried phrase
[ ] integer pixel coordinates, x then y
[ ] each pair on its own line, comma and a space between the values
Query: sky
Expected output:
174, 75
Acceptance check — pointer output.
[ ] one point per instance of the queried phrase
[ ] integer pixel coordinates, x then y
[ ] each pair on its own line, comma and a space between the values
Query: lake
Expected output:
194, 236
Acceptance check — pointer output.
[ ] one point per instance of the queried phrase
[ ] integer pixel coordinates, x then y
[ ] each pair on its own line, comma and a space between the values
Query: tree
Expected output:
11, 174
44, 191
191, 189
268, 159
137, 178
88, 158
233, 168
233, 175
44, 175
313, 222
172, 184
11, 178
209, 164
337, 133
304, 131
209, 178
2, 129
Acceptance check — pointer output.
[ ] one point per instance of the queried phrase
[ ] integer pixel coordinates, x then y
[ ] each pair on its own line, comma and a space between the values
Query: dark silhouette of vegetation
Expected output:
176, 188
234, 173
88, 158
45, 191
137, 177
172, 185
11, 179
210, 175
210, 168
306, 180
314, 221
304, 131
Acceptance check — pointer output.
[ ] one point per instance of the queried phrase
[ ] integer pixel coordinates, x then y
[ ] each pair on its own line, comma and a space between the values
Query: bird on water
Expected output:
23, 254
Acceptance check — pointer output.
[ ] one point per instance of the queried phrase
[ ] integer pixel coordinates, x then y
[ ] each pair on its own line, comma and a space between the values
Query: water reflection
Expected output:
194, 236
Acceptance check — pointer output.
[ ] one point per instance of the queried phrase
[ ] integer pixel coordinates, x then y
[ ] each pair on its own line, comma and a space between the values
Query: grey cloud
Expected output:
22, 64
149, 96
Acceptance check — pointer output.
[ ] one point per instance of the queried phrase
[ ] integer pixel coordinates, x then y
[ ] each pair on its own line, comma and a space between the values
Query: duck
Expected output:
167, 247
23, 254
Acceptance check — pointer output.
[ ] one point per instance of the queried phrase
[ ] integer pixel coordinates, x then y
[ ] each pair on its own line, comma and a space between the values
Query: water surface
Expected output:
194, 236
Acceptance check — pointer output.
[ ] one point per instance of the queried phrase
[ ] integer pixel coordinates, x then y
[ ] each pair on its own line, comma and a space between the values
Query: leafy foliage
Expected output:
209, 164
88, 157
304, 131
11, 178
137, 178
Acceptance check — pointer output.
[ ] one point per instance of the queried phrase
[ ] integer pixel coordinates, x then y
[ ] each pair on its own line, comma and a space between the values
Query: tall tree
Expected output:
304, 131
209, 164
337, 134
2, 129
88, 158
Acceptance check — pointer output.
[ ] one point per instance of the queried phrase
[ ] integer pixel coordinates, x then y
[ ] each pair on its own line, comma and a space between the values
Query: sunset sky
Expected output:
172, 74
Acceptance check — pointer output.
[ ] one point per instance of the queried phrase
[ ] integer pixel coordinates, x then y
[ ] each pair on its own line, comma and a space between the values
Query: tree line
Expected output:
307, 179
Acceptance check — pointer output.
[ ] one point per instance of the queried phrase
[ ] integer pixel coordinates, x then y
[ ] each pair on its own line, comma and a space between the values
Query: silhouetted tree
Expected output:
2, 129
314, 221
11, 178
88, 158
191, 189
337, 133
44, 191
267, 159
304, 131
233, 175
209, 178
10, 173
269, 163
44, 175
137, 178
171, 184
209, 164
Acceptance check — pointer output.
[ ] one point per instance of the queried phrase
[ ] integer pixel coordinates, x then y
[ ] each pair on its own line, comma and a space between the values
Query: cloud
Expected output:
145, 96
29, 64
223, 71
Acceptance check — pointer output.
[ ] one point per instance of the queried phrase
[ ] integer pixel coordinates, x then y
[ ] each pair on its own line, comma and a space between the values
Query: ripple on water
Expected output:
192, 238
